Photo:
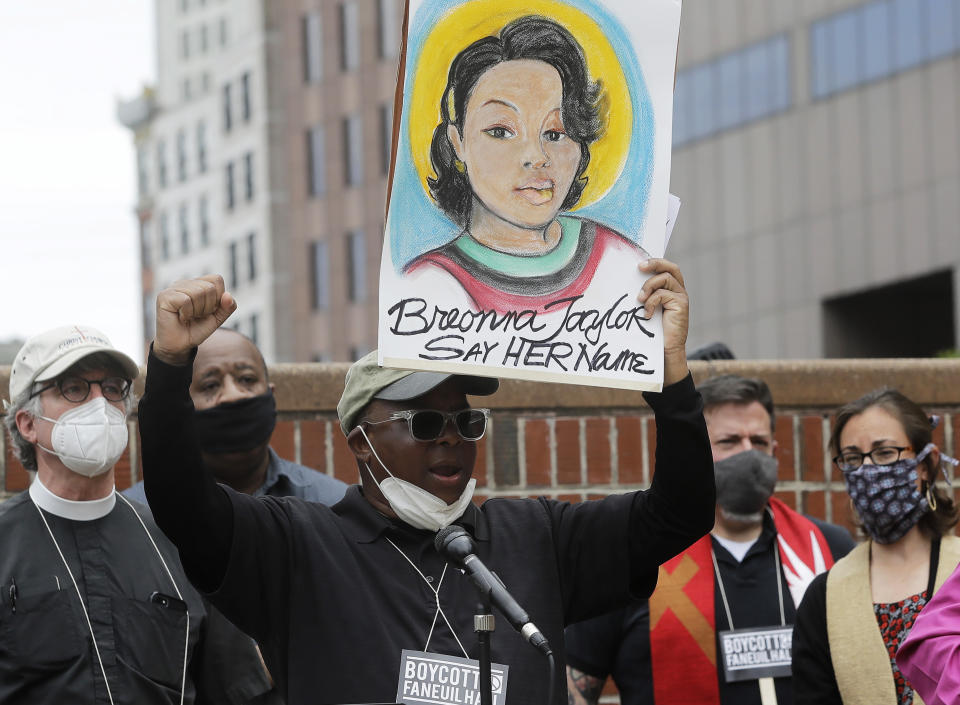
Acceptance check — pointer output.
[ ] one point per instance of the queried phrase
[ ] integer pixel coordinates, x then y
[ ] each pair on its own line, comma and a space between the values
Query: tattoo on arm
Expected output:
582, 688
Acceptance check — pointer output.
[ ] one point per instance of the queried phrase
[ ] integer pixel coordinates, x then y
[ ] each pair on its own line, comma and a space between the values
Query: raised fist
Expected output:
188, 312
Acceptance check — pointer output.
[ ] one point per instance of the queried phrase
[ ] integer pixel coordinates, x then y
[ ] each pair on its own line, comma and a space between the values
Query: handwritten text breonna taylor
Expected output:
579, 340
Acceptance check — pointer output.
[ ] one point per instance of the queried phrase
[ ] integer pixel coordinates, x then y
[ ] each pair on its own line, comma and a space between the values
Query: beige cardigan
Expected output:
860, 659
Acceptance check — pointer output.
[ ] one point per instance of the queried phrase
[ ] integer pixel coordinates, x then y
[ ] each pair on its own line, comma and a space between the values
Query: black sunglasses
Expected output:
428, 424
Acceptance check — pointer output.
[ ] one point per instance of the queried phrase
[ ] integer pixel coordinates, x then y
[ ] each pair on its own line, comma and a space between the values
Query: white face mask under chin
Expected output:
90, 438
413, 504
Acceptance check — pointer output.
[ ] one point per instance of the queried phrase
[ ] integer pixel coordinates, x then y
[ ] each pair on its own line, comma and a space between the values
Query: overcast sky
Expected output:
68, 235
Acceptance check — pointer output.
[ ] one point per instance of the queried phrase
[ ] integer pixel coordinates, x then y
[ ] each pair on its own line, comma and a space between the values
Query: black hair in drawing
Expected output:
530, 37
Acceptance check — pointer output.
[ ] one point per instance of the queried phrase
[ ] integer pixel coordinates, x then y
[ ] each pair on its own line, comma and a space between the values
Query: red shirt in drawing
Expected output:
490, 288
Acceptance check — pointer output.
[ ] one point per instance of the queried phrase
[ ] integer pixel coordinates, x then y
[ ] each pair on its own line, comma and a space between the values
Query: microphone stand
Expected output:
483, 625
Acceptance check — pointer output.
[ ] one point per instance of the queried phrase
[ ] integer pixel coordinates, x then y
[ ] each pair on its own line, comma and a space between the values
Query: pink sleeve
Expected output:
929, 658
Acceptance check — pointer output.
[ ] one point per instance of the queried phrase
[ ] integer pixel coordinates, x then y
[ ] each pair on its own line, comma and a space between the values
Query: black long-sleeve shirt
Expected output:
331, 600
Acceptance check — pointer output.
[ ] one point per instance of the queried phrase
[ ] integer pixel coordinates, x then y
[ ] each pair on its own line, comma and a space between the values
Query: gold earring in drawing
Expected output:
460, 166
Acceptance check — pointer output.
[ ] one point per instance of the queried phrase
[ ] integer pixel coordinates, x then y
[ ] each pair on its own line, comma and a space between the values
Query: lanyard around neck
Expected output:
723, 592
436, 595
86, 614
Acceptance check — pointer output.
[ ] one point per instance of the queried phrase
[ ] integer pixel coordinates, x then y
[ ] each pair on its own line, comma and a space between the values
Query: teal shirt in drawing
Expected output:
504, 282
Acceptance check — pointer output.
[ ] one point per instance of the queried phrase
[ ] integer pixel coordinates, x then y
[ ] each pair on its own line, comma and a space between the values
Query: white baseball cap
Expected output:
46, 355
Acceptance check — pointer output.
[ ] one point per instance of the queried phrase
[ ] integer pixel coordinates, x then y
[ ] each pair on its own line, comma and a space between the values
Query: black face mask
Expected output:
236, 426
745, 482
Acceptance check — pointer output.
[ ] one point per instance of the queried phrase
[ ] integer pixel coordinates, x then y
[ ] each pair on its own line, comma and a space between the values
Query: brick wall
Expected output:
578, 443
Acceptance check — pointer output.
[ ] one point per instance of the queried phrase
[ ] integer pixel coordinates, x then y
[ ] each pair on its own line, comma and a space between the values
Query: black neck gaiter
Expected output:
236, 426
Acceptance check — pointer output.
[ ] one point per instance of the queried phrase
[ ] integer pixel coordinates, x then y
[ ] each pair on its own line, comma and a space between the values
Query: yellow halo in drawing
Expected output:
471, 21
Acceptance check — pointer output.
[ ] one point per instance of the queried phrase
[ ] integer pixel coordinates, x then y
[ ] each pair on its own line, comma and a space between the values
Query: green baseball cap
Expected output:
366, 380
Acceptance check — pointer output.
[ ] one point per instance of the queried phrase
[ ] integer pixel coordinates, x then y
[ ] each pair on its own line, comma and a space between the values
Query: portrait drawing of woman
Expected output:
511, 157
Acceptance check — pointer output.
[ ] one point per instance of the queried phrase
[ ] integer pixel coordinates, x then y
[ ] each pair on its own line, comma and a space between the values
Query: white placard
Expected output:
530, 180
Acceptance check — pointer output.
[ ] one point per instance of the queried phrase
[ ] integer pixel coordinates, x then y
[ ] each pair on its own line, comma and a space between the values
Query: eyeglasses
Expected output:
428, 424
884, 455
77, 389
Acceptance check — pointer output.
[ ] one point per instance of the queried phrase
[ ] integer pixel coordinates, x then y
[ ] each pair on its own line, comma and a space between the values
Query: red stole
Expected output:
683, 642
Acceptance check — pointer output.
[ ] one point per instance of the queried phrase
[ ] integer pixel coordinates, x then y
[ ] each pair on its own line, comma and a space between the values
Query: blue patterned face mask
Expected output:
886, 497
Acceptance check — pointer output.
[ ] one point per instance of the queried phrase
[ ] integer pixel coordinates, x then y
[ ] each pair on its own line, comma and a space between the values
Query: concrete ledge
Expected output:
825, 384
795, 383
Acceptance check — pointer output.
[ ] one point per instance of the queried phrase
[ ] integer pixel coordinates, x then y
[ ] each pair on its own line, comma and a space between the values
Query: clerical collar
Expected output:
86, 510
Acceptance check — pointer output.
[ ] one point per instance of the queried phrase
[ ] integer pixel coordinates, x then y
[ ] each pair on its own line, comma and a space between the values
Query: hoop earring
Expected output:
931, 497
460, 166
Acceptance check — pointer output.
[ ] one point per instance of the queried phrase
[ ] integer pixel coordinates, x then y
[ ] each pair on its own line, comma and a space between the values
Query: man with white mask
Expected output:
94, 605
353, 603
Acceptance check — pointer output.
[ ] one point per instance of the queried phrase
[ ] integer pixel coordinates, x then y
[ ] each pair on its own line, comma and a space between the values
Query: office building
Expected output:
262, 155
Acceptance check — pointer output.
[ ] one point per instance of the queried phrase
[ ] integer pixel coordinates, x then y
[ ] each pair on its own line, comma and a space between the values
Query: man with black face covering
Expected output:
235, 414
748, 574
234, 419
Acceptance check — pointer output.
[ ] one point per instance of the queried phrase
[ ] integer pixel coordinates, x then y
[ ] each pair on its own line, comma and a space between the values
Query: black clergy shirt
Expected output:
332, 602
618, 644
46, 651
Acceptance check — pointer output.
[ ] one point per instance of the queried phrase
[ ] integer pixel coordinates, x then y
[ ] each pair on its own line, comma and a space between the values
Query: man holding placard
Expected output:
354, 603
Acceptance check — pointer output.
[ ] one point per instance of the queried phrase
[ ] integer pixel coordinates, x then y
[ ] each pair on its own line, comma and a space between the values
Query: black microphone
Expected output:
455, 544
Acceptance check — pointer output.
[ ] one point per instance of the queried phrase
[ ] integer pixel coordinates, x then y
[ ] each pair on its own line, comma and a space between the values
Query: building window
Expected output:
386, 136
389, 28
312, 48
205, 82
185, 44
245, 96
231, 202
227, 114
146, 256
185, 89
251, 257
201, 147
161, 164
316, 161
203, 213
255, 328
909, 48
356, 267
164, 238
877, 57
942, 28
349, 36
181, 155
732, 90
223, 31
143, 178
204, 39
248, 176
353, 147
184, 5
878, 39
184, 230
358, 351
232, 265
856, 325
319, 275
